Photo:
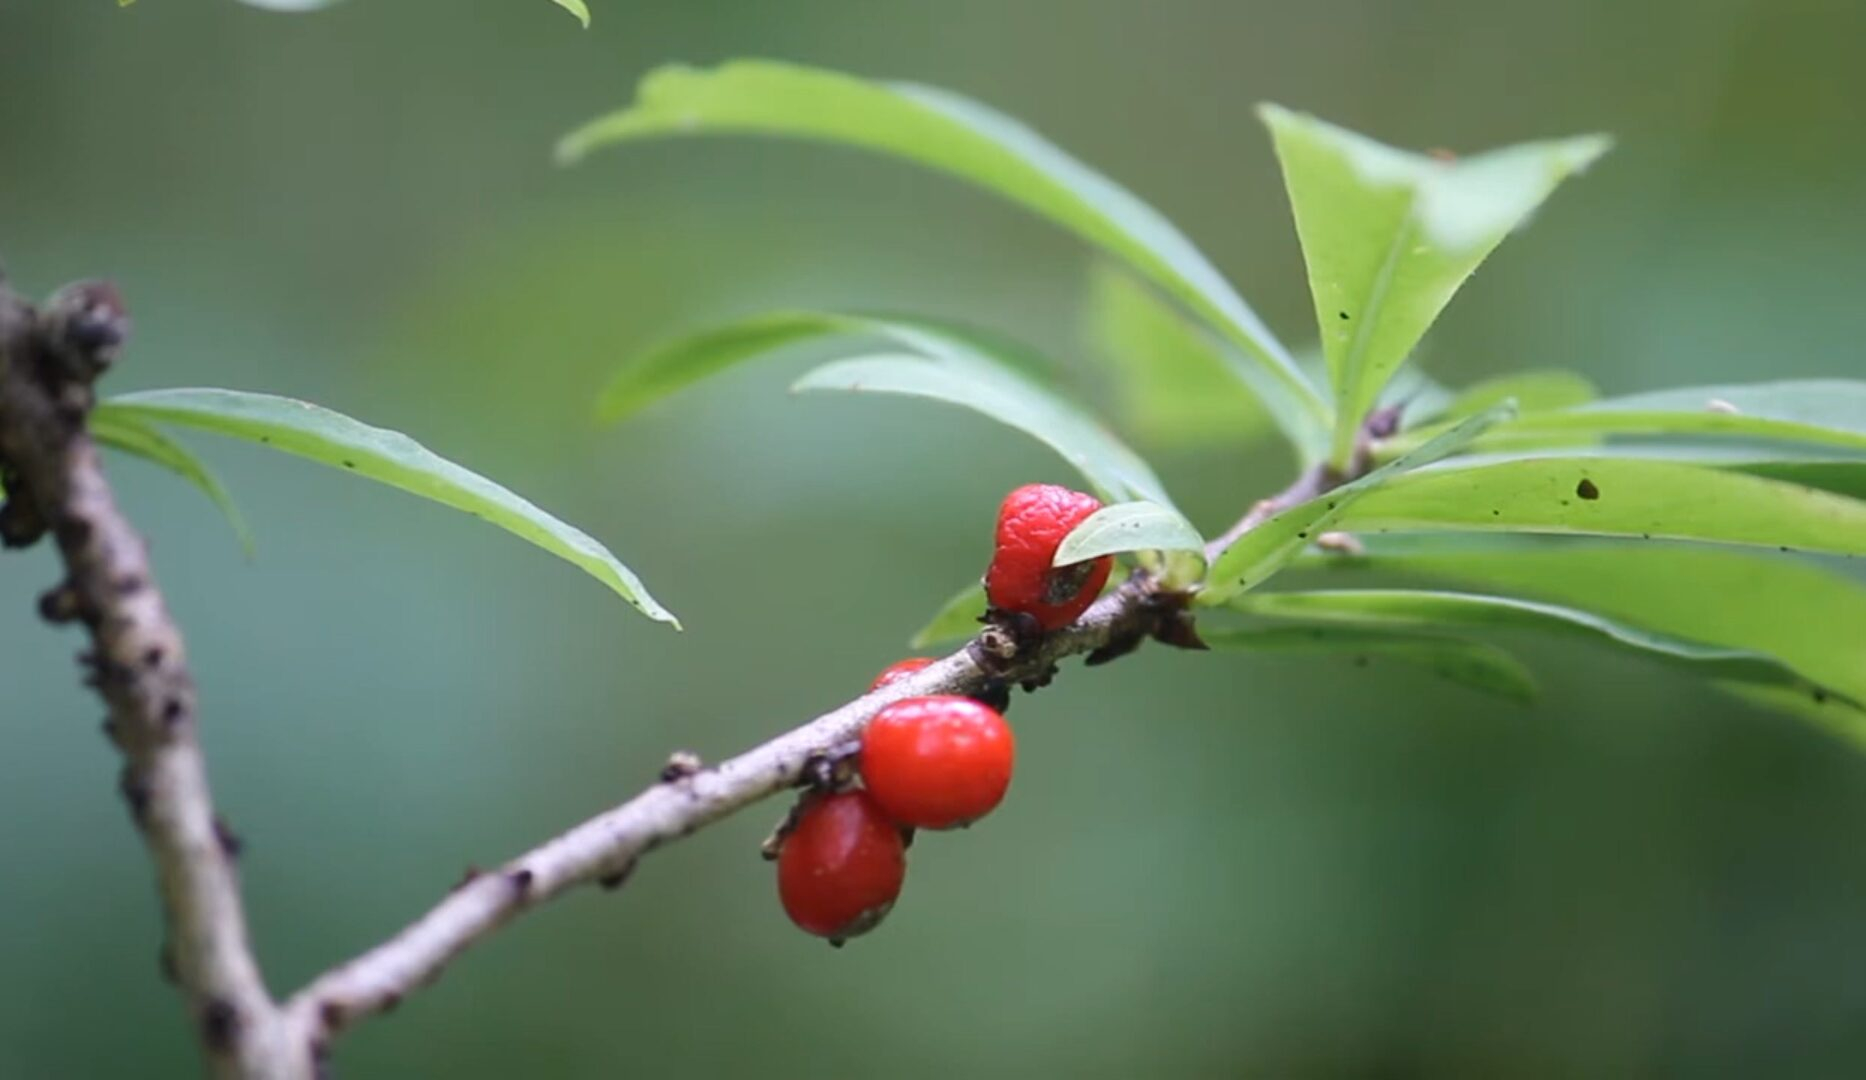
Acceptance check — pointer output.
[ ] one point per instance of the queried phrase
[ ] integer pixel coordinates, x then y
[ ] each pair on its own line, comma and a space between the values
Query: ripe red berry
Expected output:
937, 762
899, 670
1031, 525
841, 867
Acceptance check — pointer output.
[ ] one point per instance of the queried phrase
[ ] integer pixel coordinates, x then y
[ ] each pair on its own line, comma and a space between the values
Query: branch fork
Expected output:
54, 482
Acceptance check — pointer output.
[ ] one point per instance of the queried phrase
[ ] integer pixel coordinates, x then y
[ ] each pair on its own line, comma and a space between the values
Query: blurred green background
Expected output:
1208, 865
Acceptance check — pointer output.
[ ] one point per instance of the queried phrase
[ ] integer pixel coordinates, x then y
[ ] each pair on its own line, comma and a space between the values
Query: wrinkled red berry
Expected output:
1031, 525
841, 866
899, 670
937, 762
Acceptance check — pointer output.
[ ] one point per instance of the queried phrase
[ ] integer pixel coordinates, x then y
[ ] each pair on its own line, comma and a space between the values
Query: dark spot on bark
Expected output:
135, 792
152, 656
59, 605
680, 765
1587, 489
333, 1014
131, 584
521, 882
220, 1025
996, 693
619, 878
467, 877
230, 843
172, 711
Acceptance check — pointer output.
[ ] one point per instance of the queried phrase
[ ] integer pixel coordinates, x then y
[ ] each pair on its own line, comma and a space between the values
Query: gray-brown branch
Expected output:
55, 484
53, 481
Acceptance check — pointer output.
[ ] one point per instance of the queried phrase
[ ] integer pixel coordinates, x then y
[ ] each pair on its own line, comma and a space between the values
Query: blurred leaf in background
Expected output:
1292, 866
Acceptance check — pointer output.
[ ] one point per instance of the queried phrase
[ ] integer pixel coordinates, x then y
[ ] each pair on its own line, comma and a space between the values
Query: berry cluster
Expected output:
938, 762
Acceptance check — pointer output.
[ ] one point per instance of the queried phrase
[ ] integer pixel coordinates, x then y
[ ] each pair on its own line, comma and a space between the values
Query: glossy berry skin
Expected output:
899, 670
937, 762
841, 867
1032, 523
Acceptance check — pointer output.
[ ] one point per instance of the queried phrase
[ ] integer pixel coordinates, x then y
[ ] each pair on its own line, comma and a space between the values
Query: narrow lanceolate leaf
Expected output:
1808, 617
1390, 236
1426, 612
1615, 497
671, 365
1474, 664
1265, 549
576, 8
1819, 412
948, 363
1179, 385
957, 620
1533, 391
389, 457
1841, 477
946, 132
1123, 527
130, 435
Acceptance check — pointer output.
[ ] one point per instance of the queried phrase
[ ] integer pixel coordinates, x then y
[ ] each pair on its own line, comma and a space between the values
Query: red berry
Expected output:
937, 762
841, 867
1031, 525
899, 670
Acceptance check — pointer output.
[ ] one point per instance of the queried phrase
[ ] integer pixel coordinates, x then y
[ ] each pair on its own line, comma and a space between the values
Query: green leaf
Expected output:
1474, 664
1123, 527
1397, 609
957, 620
124, 432
1179, 386
946, 132
1389, 237
1824, 412
678, 363
1840, 477
1615, 496
1262, 551
1810, 618
389, 457
576, 8
1531, 390
1837, 715
949, 363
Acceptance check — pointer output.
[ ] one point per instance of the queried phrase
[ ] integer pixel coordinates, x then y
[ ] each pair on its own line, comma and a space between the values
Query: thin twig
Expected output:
606, 848
55, 483
50, 470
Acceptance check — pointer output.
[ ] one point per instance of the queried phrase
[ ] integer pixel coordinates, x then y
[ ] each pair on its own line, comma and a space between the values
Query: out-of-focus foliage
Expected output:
390, 457
1390, 236
1291, 865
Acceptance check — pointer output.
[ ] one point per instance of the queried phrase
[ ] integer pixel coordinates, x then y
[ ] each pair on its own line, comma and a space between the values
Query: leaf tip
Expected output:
578, 10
